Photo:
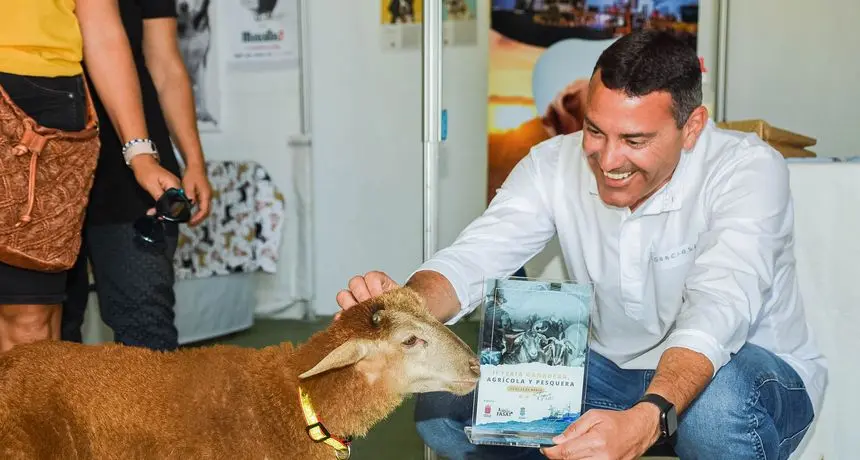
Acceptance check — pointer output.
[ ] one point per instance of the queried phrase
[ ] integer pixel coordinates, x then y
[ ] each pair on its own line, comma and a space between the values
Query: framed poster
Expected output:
261, 34
400, 23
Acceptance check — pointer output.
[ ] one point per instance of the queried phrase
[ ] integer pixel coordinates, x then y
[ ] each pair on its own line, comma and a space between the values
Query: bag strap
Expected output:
33, 143
92, 116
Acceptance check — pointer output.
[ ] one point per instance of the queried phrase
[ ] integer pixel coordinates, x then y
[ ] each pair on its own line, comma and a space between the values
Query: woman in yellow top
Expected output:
42, 47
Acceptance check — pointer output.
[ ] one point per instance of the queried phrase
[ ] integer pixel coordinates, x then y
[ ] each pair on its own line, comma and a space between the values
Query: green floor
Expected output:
395, 437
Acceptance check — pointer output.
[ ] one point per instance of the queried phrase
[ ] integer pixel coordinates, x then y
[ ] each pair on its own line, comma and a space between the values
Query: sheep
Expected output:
73, 401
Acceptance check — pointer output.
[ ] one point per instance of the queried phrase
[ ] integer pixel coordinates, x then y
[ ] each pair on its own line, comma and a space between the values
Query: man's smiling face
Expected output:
633, 144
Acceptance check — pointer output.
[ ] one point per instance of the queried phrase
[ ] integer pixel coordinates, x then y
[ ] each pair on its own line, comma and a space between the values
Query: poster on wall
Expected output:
460, 23
261, 34
541, 52
401, 23
197, 45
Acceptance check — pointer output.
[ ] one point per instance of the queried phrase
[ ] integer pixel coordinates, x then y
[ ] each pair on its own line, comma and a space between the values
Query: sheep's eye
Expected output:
376, 319
411, 341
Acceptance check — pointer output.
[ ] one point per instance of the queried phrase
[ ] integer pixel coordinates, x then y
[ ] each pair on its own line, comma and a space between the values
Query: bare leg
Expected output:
20, 324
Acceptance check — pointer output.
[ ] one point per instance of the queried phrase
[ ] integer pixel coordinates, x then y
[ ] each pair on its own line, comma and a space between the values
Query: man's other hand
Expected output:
607, 434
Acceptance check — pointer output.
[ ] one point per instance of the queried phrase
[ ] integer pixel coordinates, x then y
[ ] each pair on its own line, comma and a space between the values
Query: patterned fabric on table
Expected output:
243, 231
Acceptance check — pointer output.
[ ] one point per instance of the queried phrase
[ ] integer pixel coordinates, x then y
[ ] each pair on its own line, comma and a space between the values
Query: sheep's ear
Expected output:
349, 353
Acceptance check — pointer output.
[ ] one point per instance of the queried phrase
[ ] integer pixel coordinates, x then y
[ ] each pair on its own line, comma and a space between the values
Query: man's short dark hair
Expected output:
646, 61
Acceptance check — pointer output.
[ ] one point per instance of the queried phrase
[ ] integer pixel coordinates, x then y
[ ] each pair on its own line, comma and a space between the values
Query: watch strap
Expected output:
657, 400
667, 409
136, 147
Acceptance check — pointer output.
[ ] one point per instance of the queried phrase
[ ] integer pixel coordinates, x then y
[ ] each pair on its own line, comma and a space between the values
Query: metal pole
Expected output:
302, 143
304, 68
722, 59
432, 116
431, 52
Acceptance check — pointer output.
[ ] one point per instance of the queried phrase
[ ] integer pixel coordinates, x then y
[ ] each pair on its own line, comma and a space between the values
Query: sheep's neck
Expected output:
345, 403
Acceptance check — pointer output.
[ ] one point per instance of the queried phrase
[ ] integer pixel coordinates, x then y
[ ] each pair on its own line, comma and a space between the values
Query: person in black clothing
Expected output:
43, 43
134, 283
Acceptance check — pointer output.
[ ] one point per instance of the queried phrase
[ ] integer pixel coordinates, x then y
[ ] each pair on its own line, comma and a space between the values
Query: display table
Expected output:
827, 224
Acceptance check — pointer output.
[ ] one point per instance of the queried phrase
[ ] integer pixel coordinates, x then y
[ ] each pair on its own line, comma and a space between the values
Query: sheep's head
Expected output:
394, 341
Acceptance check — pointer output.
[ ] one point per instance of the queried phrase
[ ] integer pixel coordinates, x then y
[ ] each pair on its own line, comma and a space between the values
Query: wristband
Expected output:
136, 147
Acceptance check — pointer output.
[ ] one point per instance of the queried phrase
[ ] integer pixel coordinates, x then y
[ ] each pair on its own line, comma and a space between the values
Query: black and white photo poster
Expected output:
197, 43
261, 34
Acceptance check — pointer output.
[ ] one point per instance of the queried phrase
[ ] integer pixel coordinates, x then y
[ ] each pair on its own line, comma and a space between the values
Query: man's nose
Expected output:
610, 158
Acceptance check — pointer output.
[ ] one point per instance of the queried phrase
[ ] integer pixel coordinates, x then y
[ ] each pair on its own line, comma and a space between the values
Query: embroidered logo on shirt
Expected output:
674, 254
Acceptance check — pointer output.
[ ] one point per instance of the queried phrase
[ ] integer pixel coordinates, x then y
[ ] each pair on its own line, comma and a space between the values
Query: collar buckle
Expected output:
322, 430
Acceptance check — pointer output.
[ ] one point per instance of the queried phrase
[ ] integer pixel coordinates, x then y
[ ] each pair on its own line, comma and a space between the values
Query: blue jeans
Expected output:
756, 407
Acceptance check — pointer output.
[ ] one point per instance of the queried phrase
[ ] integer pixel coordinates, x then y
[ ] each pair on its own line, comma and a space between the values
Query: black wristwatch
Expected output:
668, 416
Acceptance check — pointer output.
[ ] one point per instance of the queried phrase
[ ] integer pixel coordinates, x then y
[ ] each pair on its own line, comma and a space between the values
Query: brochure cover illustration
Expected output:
533, 350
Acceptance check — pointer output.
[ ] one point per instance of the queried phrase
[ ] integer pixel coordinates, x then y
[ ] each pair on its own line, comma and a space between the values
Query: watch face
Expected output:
671, 422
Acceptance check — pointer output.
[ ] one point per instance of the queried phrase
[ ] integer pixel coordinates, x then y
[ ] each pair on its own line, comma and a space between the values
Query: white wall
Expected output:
794, 63
367, 150
259, 112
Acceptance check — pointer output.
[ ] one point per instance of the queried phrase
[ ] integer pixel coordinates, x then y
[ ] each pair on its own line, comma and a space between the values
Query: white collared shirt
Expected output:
706, 263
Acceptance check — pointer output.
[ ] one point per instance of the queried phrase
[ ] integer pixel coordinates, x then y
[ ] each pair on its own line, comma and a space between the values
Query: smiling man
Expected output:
687, 232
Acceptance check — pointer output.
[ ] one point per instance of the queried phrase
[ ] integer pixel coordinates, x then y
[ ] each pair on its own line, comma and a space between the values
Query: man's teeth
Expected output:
617, 176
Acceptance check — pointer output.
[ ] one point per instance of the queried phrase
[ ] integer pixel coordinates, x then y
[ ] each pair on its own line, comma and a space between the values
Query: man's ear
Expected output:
347, 354
693, 128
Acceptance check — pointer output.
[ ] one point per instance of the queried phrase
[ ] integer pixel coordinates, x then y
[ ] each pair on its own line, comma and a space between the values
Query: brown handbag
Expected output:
45, 179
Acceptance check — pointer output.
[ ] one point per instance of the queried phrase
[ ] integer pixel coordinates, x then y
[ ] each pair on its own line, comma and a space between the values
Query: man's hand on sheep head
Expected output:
363, 288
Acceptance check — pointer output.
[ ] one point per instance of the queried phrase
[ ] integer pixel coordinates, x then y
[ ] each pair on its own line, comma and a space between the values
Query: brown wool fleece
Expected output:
72, 401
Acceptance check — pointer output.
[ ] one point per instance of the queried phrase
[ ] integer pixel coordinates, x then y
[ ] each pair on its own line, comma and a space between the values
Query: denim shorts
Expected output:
54, 102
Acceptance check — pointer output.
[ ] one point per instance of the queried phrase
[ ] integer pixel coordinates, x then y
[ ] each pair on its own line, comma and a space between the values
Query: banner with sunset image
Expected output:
541, 55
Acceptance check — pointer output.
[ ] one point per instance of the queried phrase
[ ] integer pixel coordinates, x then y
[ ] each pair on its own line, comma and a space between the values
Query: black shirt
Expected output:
116, 196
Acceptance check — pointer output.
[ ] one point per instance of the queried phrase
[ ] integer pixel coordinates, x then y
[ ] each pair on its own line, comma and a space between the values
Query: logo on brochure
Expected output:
487, 410
522, 411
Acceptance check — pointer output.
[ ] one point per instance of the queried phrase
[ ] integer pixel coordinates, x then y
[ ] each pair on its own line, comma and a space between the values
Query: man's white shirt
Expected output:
706, 263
